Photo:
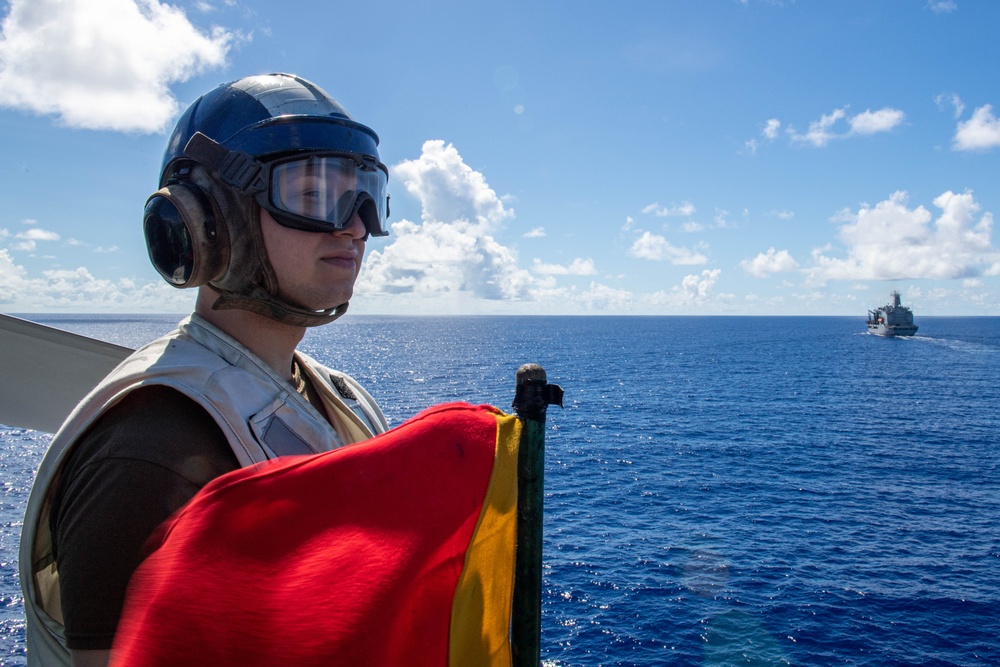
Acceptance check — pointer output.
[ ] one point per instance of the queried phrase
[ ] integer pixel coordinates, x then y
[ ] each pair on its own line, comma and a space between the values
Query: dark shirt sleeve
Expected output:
137, 465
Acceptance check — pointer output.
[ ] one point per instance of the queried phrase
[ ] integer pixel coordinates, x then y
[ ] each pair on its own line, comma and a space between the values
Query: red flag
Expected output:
395, 551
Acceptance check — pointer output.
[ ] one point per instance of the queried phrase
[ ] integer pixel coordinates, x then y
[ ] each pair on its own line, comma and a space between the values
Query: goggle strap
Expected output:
236, 168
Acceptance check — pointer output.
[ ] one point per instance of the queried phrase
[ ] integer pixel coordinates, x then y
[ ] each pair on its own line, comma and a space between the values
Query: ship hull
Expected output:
883, 330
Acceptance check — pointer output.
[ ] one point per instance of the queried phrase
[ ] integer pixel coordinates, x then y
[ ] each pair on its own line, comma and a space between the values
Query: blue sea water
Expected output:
719, 491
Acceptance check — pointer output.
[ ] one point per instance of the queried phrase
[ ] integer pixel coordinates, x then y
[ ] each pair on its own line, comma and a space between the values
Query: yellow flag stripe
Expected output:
480, 616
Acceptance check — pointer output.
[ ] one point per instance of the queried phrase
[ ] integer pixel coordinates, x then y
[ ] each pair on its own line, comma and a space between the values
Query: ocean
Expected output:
719, 490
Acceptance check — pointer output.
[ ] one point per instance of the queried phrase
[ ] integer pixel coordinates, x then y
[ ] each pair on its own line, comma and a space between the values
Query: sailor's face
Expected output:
315, 270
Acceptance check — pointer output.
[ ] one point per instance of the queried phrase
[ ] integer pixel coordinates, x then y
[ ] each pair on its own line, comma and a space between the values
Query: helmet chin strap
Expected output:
257, 300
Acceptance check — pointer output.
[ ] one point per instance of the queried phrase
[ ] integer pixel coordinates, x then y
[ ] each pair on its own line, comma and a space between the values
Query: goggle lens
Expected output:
322, 192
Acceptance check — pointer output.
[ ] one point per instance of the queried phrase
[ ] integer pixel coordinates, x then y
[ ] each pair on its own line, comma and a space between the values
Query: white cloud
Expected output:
891, 241
578, 267
821, 132
452, 249
77, 243
28, 240
682, 209
655, 247
102, 64
38, 235
722, 220
942, 6
78, 290
11, 278
771, 128
981, 132
872, 122
769, 263
695, 289
953, 99
536, 233
448, 189
692, 227
207, 7
600, 297
770, 133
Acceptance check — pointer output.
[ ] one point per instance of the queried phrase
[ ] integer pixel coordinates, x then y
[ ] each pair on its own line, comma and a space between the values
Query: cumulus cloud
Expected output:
695, 289
769, 132
873, 122
578, 267
692, 227
103, 64
35, 234
77, 243
655, 247
822, 131
682, 209
953, 99
601, 297
536, 233
942, 6
890, 241
769, 263
27, 241
722, 220
694, 294
452, 249
979, 133
819, 133
80, 291
771, 128
449, 189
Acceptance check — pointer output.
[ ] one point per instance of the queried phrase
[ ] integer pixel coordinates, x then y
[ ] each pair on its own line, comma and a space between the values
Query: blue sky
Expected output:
734, 157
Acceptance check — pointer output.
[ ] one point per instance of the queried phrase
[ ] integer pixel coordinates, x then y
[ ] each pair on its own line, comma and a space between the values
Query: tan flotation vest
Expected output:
261, 415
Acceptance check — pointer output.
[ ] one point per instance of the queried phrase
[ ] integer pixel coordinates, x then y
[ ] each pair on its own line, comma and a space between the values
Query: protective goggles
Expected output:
322, 192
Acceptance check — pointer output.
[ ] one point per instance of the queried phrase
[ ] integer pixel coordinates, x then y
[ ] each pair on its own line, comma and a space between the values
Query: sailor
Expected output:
268, 192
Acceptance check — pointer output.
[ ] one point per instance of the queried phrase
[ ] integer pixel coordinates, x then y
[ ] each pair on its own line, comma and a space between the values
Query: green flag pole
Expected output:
532, 397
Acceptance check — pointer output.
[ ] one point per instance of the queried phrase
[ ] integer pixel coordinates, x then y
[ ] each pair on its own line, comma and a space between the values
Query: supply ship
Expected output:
893, 319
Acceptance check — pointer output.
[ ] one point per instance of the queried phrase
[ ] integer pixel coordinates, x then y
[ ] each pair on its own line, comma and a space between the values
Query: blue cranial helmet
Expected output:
248, 145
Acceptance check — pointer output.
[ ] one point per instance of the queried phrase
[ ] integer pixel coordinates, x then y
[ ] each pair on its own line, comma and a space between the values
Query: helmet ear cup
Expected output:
188, 243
